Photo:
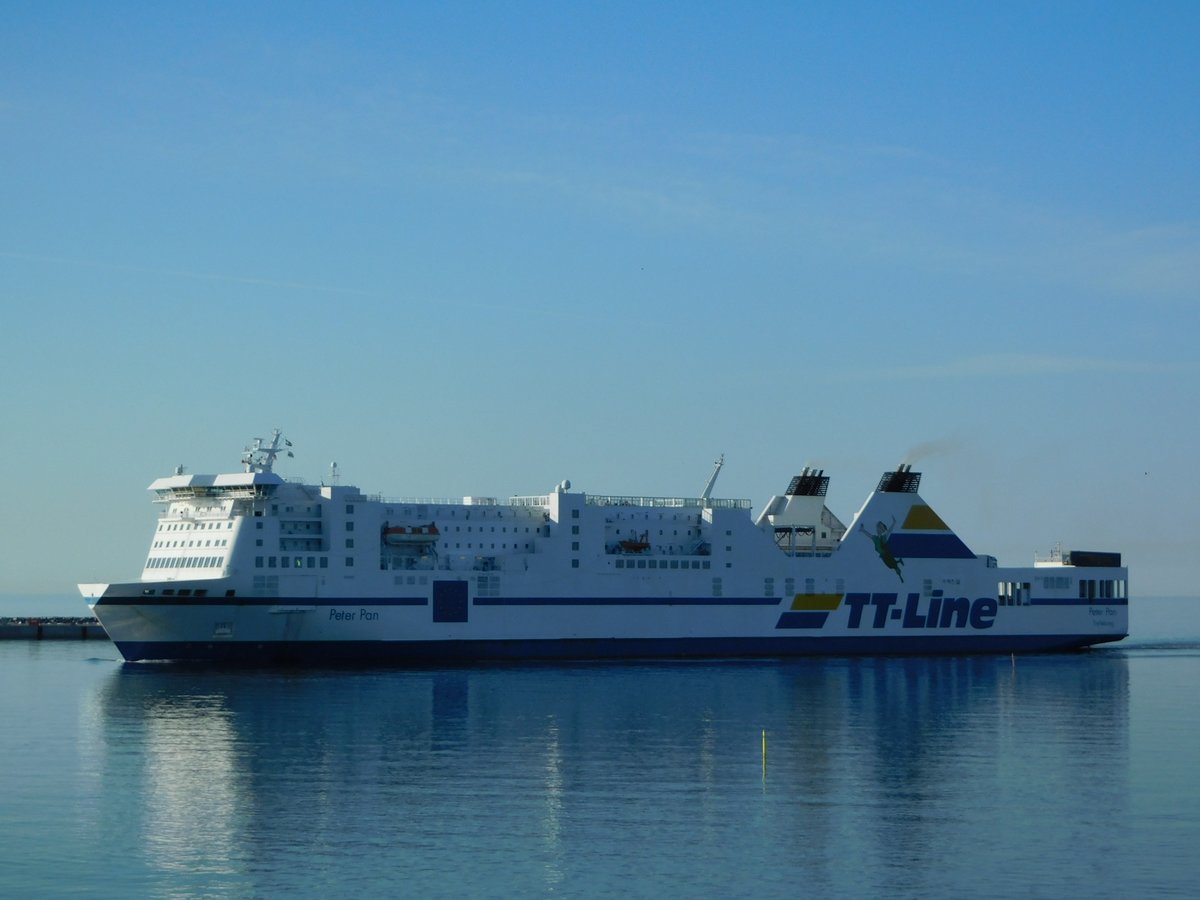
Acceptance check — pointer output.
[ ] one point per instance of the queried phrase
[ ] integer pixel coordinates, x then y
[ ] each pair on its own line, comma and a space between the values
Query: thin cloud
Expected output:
1018, 365
199, 276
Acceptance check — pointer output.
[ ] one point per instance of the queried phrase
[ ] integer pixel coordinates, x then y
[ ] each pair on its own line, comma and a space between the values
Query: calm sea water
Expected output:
1046, 776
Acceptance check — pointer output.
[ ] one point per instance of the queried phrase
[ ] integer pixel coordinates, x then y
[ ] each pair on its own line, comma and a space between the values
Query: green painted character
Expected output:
880, 540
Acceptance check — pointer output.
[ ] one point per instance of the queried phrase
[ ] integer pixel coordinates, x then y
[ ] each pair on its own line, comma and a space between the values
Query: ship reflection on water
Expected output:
910, 774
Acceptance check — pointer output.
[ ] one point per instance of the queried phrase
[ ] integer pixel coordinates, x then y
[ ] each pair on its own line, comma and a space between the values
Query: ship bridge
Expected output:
234, 486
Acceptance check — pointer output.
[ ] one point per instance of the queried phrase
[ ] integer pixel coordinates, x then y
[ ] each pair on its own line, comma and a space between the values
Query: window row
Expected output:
184, 562
295, 562
219, 542
1102, 589
661, 564
493, 547
194, 526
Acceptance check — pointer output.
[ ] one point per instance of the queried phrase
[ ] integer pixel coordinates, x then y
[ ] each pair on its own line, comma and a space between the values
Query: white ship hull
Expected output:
250, 568
372, 631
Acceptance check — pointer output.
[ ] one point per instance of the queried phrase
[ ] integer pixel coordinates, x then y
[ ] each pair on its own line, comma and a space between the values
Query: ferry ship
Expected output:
249, 567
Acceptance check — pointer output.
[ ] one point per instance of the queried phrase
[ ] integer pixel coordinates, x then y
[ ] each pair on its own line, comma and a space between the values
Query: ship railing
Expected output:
425, 501
1053, 558
538, 500
666, 502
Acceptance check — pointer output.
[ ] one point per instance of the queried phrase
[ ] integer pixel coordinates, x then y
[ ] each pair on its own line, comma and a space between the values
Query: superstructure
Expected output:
250, 567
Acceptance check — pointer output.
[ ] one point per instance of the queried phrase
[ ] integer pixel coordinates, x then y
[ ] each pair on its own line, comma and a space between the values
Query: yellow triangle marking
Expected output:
922, 518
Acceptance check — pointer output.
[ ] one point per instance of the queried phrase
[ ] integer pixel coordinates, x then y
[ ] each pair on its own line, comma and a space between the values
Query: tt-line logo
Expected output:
939, 612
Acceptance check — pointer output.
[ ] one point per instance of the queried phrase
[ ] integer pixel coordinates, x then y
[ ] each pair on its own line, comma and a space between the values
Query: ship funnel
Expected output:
809, 483
903, 481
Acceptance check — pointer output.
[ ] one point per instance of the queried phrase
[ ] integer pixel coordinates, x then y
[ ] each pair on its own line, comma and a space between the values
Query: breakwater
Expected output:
52, 628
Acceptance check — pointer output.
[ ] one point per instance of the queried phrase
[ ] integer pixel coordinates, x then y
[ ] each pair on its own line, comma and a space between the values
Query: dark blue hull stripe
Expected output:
626, 601
1078, 601
804, 619
413, 652
159, 600
176, 600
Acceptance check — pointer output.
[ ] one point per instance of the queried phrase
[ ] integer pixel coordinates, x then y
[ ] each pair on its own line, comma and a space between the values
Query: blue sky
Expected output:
480, 248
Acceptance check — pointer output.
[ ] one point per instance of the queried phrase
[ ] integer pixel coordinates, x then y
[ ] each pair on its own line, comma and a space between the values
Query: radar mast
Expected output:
260, 456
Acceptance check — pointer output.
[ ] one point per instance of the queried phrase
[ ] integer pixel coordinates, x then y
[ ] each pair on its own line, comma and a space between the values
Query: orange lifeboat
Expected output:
410, 535
635, 545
